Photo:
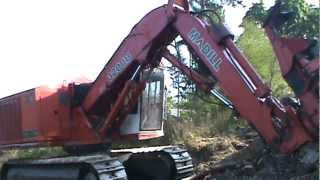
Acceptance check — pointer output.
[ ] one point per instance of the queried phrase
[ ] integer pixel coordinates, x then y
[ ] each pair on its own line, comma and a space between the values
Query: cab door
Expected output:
152, 109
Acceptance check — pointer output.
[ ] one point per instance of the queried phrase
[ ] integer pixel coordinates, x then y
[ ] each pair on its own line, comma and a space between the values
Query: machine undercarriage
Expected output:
152, 163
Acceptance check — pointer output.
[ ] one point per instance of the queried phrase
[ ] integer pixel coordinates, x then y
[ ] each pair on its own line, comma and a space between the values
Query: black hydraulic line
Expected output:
222, 98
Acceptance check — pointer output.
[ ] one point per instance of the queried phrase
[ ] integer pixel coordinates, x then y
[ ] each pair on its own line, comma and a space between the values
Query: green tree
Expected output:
304, 23
256, 45
258, 50
256, 13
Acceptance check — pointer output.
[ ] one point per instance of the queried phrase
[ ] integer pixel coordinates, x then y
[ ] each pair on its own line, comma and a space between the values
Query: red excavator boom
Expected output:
299, 63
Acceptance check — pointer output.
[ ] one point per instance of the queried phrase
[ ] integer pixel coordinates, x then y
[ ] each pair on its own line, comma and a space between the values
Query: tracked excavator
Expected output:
123, 102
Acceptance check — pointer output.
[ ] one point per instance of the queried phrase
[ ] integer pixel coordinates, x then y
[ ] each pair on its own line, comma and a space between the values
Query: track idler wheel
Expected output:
90, 176
150, 166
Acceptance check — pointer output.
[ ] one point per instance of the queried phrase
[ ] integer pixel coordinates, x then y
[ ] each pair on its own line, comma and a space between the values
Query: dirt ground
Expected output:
245, 156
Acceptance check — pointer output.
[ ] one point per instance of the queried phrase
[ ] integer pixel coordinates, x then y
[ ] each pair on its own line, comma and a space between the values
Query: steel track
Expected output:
154, 163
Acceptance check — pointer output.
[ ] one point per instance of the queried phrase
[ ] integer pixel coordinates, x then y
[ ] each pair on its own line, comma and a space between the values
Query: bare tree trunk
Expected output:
273, 70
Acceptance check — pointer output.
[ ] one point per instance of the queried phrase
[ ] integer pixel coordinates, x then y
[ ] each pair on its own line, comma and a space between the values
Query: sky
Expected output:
45, 42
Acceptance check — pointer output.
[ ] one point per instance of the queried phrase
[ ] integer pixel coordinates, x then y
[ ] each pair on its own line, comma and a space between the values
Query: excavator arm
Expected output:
146, 44
279, 126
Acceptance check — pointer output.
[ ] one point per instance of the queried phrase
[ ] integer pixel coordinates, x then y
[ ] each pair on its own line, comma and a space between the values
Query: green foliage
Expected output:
212, 4
256, 13
200, 5
258, 50
203, 110
305, 22
257, 47
216, 12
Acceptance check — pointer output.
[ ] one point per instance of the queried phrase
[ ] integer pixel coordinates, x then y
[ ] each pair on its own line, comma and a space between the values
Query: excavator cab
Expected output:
146, 119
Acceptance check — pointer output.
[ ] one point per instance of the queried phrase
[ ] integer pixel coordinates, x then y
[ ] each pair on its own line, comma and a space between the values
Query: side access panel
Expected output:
34, 116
